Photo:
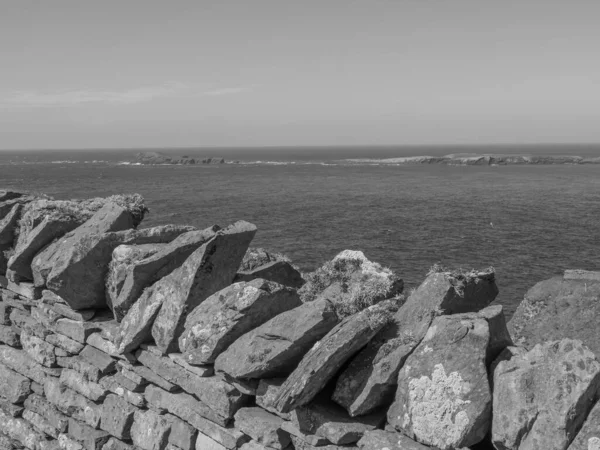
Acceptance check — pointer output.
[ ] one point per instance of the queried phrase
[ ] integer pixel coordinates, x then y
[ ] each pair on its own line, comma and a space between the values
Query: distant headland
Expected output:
154, 158
473, 159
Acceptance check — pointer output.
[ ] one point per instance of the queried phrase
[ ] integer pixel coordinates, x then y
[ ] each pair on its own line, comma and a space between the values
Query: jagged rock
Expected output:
123, 258
225, 316
444, 397
370, 380
14, 386
351, 281
326, 419
259, 263
542, 397
150, 431
117, 417
263, 427
557, 308
588, 438
380, 439
326, 357
143, 273
276, 347
79, 273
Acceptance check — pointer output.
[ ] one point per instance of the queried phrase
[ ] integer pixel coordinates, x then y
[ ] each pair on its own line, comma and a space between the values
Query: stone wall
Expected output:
114, 336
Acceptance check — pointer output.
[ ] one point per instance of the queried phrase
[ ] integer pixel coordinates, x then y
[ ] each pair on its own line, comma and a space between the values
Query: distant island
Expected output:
472, 159
154, 158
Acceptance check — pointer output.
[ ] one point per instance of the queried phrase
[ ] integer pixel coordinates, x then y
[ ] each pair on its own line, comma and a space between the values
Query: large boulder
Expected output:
161, 310
207, 270
326, 357
123, 258
370, 380
276, 347
351, 282
542, 397
225, 316
145, 272
260, 263
444, 398
562, 306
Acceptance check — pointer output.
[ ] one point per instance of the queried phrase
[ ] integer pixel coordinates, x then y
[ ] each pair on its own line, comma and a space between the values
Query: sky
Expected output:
131, 73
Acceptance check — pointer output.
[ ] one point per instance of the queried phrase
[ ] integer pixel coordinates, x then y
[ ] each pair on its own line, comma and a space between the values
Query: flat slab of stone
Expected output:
370, 380
263, 427
276, 347
145, 272
444, 383
225, 316
326, 357
543, 396
559, 308
207, 270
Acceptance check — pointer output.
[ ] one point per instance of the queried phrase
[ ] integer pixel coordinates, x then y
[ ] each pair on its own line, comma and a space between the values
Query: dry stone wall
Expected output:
115, 337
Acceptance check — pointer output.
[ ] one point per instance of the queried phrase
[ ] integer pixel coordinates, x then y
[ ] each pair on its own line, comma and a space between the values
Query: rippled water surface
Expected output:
529, 222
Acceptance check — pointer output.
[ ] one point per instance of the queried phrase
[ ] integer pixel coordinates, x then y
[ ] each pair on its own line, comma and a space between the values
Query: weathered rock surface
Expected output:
145, 272
263, 427
150, 431
225, 316
370, 380
7, 234
542, 397
557, 308
444, 397
351, 282
117, 417
207, 270
123, 257
326, 419
385, 440
326, 357
276, 347
588, 438
14, 386
259, 263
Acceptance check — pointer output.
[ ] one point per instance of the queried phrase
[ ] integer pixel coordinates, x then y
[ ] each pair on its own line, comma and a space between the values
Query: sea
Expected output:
528, 222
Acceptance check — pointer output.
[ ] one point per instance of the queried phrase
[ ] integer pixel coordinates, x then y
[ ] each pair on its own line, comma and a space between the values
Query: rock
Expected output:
263, 427
557, 308
379, 439
276, 347
71, 403
75, 329
111, 217
123, 258
115, 444
182, 435
25, 289
9, 337
111, 384
80, 384
444, 396
78, 364
370, 380
588, 438
207, 270
542, 397
90, 438
80, 269
7, 233
14, 386
203, 442
20, 362
267, 391
259, 263
97, 358
81, 315
225, 316
201, 371
143, 273
38, 349
311, 439
9, 195
40, 423
67, 443
53, 416
22, 431
150, 431
351, 282
326, 357
117, 417
326, 419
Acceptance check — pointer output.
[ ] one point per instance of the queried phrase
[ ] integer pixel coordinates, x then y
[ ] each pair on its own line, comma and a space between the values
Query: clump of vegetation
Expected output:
460, 278
256, 257
354, 283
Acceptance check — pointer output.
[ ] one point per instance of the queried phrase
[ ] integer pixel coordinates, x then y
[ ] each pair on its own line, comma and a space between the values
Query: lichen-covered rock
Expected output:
444, 398
276, 347
370, 380
326, 357
351, 282
226, 315
150, 431
144, 272
542, 397
557, 308
207, 270
123, 257
328, 420
588, 438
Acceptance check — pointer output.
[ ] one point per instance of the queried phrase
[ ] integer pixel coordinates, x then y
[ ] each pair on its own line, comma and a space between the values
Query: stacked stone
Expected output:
114, 338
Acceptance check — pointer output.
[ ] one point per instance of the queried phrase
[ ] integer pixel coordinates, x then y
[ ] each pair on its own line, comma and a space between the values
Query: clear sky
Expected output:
128, 73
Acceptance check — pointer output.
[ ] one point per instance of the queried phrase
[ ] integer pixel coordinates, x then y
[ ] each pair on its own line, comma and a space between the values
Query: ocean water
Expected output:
528, 222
